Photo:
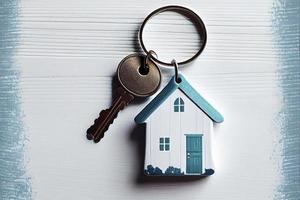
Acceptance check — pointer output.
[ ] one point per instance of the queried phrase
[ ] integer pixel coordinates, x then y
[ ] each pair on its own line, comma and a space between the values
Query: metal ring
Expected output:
195, 19
175, 64
149, 56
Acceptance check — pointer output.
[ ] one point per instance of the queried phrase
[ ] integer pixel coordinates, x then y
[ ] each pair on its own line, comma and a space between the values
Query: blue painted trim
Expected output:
189, 91
286, 29
14, 182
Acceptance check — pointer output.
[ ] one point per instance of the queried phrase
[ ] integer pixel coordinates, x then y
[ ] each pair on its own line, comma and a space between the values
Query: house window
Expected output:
179, 105
164, 144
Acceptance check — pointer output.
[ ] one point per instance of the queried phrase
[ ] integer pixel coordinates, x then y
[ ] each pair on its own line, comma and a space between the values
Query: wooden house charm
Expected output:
179, 124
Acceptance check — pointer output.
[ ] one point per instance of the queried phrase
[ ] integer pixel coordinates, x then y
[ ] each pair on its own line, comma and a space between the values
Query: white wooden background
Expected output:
68, 52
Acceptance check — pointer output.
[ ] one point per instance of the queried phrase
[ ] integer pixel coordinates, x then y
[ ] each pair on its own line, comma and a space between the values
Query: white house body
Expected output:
165, 123
179, 126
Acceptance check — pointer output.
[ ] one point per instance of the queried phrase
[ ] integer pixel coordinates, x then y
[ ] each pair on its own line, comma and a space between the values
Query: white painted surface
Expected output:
68, 52
164, 122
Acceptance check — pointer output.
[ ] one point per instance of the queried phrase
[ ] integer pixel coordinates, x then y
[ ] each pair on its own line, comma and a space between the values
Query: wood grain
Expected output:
66, 55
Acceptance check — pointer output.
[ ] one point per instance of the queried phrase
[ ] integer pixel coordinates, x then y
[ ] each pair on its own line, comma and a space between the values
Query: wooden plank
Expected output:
65, 55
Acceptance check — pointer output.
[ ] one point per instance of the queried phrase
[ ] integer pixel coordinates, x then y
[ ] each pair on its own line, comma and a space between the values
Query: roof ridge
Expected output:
189, 91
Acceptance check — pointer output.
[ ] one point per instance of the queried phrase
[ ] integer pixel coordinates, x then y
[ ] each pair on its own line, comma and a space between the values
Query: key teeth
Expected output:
89, 136
106, 117
101, 115
98, 138
92, 130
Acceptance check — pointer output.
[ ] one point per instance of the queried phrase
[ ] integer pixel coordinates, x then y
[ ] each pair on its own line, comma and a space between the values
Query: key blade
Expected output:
93, 129
123, 100
106, 117
106, 120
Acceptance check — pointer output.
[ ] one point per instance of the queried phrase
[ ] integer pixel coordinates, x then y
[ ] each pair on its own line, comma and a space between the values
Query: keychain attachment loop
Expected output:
175, 64
149, 56
191, 15
144, 69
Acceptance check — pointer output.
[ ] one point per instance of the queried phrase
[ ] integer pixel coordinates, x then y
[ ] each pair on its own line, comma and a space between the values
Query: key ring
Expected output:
195, 19
175, 64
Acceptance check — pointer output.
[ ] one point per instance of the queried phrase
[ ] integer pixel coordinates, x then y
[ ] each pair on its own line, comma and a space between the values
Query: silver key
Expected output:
136, 80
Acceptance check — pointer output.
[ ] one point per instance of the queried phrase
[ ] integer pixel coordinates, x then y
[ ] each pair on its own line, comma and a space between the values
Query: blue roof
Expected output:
189, 91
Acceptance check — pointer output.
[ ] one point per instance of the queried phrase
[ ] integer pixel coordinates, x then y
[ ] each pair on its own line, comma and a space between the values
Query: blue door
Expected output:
194, 153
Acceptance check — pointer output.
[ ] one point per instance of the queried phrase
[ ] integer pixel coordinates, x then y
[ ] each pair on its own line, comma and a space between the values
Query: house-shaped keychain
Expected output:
179, 124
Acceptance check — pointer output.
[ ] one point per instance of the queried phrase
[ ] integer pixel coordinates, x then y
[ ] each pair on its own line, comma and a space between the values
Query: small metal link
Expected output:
175, 64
